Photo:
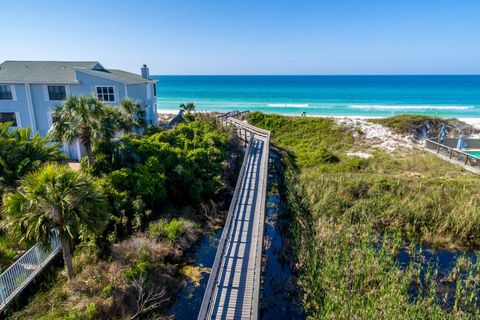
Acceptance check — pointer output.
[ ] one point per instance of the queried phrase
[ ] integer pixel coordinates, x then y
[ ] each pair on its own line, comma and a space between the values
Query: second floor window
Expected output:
5, 92
57, 93
106, 93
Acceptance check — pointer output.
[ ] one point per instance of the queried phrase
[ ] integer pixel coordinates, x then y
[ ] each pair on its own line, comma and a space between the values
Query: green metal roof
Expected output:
61, 72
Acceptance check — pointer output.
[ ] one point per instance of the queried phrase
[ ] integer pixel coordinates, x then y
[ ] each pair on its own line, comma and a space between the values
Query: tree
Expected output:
55, 197
110, 121
132, 115
189, 107
79, 118
21, 153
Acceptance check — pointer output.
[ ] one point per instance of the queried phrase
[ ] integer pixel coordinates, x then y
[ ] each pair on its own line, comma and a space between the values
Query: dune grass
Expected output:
350, 217
418, 125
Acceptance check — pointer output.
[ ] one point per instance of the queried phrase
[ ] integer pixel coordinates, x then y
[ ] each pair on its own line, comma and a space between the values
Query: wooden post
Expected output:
438, 148
451, 153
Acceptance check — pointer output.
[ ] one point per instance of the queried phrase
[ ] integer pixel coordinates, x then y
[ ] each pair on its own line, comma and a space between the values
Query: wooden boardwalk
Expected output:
233, 288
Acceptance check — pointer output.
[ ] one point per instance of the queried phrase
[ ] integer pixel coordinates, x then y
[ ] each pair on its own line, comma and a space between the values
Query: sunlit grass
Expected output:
350, 218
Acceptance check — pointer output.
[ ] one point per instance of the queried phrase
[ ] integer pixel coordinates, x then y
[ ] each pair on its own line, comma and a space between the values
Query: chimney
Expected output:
145, 72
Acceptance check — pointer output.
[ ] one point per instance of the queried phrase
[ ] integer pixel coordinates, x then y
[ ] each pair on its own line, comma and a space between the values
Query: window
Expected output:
6, 92
154, 89
106, 93
57, 93
8, 117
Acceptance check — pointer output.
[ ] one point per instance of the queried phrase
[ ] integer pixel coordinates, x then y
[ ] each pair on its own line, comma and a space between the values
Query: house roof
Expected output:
61, 72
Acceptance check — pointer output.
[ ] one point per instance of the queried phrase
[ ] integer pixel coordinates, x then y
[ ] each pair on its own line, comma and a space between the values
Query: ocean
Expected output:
366, 96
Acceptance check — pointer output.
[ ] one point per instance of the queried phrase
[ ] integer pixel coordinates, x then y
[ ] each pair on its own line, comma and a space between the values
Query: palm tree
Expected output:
55, 197
78, 118
22, 152
109, 123
189, 107
133, 115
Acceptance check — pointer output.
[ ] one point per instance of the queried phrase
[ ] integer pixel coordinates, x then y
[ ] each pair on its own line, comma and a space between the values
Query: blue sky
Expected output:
249, 37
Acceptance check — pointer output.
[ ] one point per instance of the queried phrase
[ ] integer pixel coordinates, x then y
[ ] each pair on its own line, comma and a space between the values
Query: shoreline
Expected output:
475, 122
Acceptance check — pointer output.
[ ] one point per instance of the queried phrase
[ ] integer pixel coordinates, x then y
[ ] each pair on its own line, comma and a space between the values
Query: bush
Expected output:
107, 290
425, 126
141, 269
322, 155
91, 311
177, 167
138, 248
172, 230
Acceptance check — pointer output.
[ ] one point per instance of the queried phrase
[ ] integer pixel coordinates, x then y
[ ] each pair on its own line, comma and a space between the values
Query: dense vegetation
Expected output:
21, 152
352, 216
55, 198
91, 121
157, 193
425, 126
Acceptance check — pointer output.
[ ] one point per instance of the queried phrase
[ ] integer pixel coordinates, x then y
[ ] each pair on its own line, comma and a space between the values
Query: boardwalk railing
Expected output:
245, 131
452, 153
232, 114
248, 133
25, 269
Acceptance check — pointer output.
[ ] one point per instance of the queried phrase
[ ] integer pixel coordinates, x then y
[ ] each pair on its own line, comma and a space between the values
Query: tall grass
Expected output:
350, 218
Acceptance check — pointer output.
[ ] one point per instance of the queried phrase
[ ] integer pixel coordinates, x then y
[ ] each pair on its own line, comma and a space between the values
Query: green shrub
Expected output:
107, 290
177, 167
418, 125
171, 230
7, 257
324, 156
141, 269
91, 311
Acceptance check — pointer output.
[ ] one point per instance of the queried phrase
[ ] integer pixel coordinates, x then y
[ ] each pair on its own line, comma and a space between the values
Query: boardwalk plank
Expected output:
235, 293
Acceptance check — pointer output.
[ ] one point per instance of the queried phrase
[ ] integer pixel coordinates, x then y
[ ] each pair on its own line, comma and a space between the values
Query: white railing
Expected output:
24, 270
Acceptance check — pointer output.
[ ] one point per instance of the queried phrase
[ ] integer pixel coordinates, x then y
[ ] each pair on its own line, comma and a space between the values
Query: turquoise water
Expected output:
446, 96
476, 154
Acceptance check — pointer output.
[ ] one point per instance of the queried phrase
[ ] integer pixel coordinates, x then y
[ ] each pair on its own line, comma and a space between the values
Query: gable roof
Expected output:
60, 72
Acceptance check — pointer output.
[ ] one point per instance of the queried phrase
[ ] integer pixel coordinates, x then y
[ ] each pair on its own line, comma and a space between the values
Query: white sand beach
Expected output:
472, 121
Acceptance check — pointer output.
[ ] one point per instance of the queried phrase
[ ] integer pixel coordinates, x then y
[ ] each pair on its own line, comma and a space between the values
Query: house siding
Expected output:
88, 83
20, 105
41, 108
140, 92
